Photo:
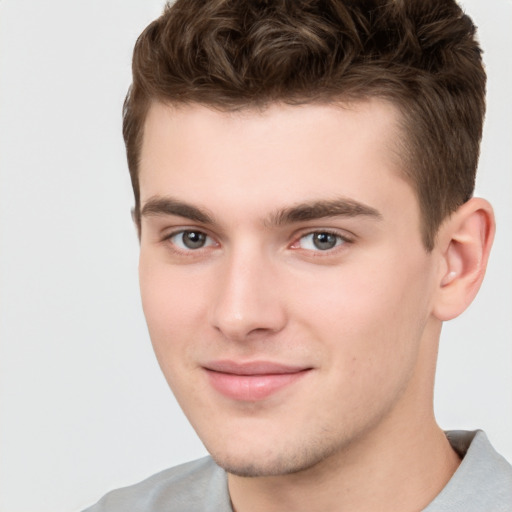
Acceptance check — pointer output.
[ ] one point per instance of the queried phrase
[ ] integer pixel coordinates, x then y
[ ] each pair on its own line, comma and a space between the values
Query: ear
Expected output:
464, 242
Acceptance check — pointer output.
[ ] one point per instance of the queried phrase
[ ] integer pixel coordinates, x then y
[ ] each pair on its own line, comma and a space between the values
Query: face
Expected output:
286, 288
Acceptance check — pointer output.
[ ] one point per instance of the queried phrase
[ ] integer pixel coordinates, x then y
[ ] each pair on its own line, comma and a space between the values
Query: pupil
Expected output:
194, 239
324, 240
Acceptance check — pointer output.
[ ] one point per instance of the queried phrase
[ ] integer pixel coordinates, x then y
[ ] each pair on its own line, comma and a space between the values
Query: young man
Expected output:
303, 175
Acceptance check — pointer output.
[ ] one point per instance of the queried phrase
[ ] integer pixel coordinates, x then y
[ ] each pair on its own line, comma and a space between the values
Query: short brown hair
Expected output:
422, 55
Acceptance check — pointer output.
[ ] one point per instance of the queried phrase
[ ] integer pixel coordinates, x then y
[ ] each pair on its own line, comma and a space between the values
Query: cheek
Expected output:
372, 315
175, 318
369, 330
172, 307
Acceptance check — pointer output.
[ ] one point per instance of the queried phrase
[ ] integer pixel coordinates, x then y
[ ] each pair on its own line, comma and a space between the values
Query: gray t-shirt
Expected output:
482, 483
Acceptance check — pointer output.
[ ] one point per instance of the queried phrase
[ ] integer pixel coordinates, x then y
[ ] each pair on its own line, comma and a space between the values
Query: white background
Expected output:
83, 406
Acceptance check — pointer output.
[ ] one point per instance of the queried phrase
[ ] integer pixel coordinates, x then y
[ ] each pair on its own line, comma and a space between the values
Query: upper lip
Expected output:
253, 367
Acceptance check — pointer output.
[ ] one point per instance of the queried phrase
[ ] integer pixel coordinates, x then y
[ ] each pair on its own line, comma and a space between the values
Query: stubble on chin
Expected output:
286, 461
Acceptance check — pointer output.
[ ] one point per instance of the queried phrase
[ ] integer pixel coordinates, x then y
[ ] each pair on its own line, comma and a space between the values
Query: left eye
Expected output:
320, 241
190, 240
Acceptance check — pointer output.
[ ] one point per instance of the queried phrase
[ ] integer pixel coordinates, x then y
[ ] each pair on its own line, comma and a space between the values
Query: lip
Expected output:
253, 380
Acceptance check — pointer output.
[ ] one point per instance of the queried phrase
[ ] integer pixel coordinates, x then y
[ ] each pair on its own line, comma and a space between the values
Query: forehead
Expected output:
257, 159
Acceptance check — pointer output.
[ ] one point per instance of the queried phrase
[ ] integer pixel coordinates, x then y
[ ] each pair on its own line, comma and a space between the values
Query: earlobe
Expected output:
464, 244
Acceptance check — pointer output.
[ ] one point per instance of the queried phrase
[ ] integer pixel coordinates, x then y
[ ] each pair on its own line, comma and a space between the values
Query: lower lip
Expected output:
251, 388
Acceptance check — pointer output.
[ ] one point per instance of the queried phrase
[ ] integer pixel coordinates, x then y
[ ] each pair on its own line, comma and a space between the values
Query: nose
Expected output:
248, 300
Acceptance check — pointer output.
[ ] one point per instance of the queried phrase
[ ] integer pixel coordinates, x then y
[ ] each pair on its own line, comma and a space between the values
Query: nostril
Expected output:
255, 322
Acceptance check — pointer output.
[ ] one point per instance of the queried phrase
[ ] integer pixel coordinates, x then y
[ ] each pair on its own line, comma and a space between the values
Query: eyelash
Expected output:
341, 240
170, 236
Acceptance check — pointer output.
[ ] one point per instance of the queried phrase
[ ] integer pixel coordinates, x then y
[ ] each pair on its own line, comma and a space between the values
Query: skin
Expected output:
356, 431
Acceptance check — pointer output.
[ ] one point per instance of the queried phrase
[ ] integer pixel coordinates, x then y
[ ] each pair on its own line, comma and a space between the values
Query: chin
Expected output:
270, 462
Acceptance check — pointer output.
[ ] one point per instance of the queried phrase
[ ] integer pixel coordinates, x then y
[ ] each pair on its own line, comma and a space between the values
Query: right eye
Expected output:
190, 240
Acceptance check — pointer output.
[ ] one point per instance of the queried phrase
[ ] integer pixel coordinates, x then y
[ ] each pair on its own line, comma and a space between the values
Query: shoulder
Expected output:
197, 486
483, 480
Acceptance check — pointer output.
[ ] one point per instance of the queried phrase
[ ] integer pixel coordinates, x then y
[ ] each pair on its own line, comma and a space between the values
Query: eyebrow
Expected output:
343, 207
322, 209
157, 206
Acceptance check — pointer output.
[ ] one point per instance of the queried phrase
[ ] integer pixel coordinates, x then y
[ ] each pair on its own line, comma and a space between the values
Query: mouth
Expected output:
252, 381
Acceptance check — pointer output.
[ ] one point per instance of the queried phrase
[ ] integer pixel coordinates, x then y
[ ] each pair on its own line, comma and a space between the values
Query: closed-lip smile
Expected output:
251, 380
